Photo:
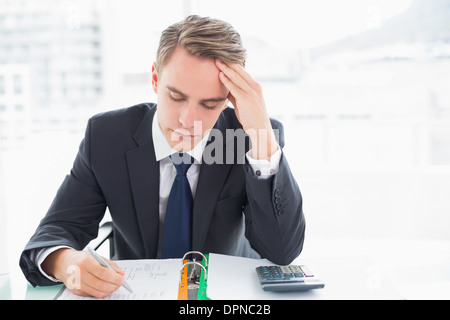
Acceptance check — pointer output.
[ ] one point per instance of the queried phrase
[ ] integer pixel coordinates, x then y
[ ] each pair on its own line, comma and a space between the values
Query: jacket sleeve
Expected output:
275, 224
73, 217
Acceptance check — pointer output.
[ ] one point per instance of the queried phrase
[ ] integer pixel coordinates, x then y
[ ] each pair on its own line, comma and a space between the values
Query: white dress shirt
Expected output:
167, 173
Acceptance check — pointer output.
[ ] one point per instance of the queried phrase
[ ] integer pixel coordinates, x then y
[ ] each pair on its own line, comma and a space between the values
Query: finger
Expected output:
107, 275
98, 287
103, 273
234, 76
240, 70
90, 285
115, 267
93, 292
235, 91
88, 291
232, 99
242, 79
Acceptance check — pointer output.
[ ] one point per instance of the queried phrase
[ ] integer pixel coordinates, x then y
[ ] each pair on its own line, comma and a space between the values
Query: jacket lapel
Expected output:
144, 178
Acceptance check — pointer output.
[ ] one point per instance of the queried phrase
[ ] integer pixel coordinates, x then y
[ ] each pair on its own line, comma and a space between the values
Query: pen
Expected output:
106, 265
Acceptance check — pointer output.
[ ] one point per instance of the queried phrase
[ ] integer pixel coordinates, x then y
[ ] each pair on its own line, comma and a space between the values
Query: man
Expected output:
127, 163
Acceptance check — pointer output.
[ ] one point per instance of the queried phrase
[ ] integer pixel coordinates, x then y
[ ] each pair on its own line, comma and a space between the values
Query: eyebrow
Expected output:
218, 99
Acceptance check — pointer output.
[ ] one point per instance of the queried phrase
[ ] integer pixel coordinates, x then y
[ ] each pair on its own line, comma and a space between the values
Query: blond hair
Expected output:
204, 38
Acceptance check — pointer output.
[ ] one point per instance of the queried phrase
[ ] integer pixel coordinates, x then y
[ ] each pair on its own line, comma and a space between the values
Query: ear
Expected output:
154, 78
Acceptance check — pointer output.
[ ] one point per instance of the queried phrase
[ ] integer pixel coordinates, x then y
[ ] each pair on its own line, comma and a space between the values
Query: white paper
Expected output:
149, 280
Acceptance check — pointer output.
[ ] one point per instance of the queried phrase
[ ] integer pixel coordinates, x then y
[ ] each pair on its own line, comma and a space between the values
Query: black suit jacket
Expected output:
116, 168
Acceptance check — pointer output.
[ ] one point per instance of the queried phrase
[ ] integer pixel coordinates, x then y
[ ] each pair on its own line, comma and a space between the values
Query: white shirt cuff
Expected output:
265, 168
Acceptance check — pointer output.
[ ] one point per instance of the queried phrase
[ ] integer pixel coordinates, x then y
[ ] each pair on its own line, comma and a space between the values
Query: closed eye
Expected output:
209, 107
176, 99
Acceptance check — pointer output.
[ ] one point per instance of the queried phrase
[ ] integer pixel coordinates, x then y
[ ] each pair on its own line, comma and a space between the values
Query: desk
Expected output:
388, 268
345, 278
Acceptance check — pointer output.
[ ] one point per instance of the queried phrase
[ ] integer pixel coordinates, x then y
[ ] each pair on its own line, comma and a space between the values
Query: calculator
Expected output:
288, 278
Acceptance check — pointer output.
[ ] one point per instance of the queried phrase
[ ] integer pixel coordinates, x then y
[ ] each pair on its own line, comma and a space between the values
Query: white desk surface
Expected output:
409, 270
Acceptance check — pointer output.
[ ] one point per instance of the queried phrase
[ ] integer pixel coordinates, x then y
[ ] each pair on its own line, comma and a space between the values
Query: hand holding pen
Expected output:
82, 273
107, 265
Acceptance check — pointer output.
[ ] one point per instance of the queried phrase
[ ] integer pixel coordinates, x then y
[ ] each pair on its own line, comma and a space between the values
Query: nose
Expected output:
188, 115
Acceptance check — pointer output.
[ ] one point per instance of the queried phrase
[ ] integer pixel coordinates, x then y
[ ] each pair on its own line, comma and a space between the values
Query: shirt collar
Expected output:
164, 150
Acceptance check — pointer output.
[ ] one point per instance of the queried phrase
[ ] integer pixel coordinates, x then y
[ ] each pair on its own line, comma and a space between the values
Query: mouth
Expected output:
183, 134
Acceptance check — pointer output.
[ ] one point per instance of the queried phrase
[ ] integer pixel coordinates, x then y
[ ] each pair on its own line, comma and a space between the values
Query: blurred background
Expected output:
361, 86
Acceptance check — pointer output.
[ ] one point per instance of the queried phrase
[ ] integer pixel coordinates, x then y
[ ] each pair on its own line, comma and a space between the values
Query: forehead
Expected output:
197, 78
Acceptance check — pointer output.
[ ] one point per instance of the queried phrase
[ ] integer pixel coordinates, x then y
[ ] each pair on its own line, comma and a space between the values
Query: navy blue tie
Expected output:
177, 231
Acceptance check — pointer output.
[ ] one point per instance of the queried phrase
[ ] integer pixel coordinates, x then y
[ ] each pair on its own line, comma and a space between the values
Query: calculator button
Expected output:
307, 272
296, 269
287, 278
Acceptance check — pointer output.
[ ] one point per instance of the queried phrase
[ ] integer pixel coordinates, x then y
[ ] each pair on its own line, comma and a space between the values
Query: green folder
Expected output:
203, 283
